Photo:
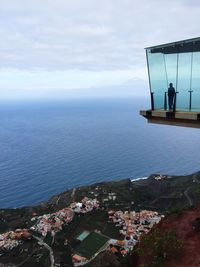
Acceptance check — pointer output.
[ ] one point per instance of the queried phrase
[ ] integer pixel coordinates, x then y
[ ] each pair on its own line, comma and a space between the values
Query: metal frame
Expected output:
174, 44
151, 93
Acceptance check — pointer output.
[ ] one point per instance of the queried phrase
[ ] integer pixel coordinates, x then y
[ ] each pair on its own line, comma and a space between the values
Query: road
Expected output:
58, 200
73, 194
186, 192
190, 201
48, 248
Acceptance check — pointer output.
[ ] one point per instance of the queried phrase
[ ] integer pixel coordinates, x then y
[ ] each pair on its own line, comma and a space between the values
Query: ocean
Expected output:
47, 147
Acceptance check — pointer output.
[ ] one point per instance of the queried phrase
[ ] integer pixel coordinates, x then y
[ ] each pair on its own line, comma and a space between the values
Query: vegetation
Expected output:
91, 245
197, 193
196, 224
166, 196
177, 210
157, 247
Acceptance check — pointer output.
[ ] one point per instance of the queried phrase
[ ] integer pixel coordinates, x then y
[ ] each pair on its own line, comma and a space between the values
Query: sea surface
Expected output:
47, 147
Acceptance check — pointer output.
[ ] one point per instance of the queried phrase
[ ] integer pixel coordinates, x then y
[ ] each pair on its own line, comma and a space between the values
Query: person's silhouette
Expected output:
171, 94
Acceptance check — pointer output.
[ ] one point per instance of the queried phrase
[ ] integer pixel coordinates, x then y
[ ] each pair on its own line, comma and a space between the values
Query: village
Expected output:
131, 226
53, 222
47, 223
12, 239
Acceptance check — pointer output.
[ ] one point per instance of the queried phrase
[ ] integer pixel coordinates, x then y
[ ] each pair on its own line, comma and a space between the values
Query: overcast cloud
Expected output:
49, 46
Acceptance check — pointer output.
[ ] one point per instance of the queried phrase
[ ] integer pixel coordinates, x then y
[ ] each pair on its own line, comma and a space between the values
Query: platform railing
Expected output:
165, 102
152, 100
155, 101
190, 99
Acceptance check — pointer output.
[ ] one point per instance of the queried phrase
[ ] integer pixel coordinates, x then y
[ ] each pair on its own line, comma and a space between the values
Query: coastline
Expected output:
140, 178
111, 184
70, 191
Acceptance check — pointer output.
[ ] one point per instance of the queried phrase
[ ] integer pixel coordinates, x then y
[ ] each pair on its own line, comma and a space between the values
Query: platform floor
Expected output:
178, 118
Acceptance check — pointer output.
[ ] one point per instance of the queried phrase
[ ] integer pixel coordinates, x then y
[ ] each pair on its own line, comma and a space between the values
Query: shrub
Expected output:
196, 224
159, 246
177, 210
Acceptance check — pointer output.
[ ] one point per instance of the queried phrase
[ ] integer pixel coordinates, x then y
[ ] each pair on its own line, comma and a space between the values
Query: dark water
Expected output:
48, 147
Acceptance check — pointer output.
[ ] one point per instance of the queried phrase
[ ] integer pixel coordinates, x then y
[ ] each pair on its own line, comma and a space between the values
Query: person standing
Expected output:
171, 94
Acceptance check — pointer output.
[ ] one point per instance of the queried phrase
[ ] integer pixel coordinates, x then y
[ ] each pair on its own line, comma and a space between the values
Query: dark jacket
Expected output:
171, 91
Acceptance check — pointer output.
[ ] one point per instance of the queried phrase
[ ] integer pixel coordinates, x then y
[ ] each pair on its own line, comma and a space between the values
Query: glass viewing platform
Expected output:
174, 81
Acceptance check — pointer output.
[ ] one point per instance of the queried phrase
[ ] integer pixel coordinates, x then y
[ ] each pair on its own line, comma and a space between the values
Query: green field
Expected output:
91, 245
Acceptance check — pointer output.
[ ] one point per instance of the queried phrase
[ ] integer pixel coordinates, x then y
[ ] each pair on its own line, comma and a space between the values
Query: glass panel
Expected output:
158, 80
163, 70
196, 82
184, 79
171, 70
171, 66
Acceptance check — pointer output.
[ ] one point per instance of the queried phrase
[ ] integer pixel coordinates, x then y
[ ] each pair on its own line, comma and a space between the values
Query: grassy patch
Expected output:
91, 245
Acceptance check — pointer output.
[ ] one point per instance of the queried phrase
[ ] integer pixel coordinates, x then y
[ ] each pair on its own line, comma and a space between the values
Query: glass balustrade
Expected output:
179, 64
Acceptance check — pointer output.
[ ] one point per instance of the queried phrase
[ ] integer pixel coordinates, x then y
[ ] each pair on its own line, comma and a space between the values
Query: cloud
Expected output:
89, 36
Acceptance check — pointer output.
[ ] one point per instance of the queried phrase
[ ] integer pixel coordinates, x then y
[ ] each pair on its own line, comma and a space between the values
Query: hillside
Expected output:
161, 193
186, 228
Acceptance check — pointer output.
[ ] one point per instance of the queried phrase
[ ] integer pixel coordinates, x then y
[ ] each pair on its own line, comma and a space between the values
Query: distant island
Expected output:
103, 224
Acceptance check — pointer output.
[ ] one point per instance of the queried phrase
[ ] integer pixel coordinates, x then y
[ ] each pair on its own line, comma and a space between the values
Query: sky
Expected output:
86, 48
